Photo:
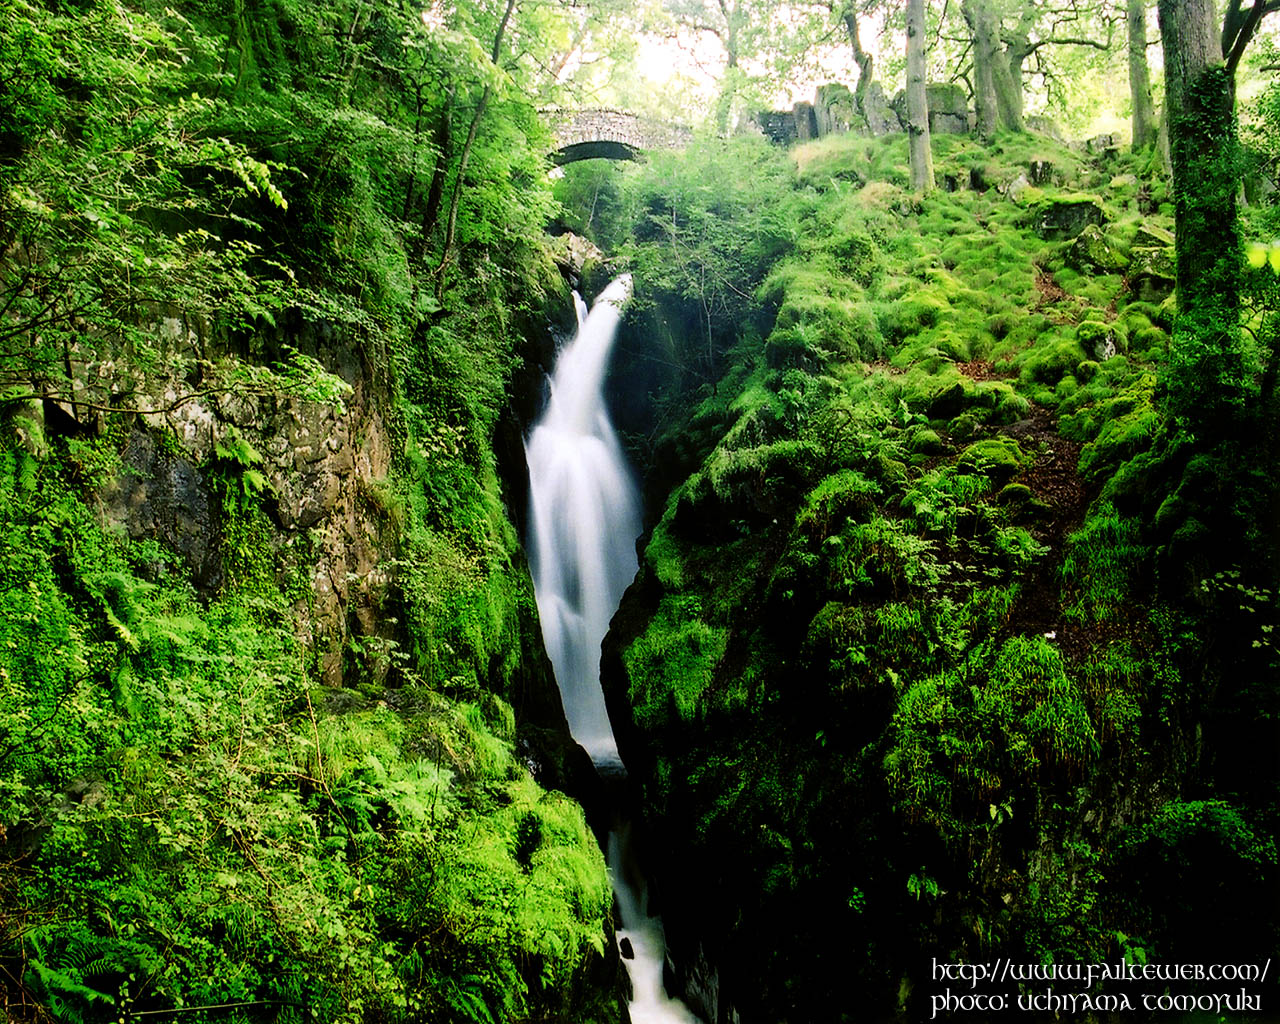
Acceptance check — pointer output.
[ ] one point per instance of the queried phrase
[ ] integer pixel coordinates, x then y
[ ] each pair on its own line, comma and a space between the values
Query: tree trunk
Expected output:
918, 100
984, 86
1016, 57
1144, 118
465, 158
997, 97
860, 56
1206, 373
1008, 89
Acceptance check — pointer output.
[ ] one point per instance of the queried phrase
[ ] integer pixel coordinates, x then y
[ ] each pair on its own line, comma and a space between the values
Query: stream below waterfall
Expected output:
583, 524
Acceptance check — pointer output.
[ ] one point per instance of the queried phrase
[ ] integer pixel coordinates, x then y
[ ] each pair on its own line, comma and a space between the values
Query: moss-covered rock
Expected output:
996, 457
1153, 236
1066, 216
1092, 250
1151, 273
1102, 340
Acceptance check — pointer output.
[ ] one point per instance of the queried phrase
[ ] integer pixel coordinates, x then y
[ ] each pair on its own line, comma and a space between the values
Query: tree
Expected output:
847, 12
1145, 127
917, 100
465, 157
1004, 37
993, 87
1206, 377
736, 26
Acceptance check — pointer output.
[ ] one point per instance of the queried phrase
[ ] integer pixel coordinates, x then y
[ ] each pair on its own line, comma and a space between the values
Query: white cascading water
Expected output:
583, 523
584, 520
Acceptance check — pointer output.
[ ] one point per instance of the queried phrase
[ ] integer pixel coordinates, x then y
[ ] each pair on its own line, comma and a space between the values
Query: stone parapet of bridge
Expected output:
610, 134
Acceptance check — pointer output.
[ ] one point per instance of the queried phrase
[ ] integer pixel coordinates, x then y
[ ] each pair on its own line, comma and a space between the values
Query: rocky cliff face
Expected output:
320, 463
324, 472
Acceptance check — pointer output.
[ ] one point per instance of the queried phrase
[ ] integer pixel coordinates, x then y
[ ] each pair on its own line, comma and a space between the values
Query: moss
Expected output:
841, 497
1031, 693
821, 316
1102, 340
1118, 440
856, 255
900, 319
1094, 251
1015, 496
1100, 570
1051, 359
924, 441
1064, 216
996, 457
672, 662
1152, 343
663, 554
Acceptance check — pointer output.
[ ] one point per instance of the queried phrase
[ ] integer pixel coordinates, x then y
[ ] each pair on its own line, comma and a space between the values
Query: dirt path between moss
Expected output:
1055, 481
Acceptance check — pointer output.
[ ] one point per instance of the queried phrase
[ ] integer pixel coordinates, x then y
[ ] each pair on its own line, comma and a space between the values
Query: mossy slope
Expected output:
897, 678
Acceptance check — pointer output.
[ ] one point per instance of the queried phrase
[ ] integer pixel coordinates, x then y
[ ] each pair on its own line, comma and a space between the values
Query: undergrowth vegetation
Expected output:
189, 824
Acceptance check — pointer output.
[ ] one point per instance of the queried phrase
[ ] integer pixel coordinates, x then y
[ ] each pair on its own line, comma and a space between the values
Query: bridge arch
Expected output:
609, 134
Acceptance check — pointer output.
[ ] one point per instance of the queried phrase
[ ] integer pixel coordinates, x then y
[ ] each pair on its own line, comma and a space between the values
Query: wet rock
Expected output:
1151, 273
624, 946
1067, 217
1093, 252
948, 109
160, 494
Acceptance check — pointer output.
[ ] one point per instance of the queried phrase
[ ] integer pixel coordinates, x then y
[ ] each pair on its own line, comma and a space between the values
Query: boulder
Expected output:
1100, 340
806, 121
1102, 146
1064, 218
1152, 236
572, 254
1092, 252
1014, 189
948, 109
880, 116
1151, 273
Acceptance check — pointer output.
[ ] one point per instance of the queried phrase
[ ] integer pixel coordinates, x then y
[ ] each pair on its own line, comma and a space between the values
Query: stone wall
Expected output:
834, 111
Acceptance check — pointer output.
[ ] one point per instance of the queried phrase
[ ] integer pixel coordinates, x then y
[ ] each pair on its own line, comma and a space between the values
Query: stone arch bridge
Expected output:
609, 134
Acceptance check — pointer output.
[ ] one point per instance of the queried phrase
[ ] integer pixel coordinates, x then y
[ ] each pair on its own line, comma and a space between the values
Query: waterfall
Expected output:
584, 518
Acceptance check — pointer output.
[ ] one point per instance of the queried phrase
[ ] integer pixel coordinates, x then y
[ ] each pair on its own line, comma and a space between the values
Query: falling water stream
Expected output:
584, 521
